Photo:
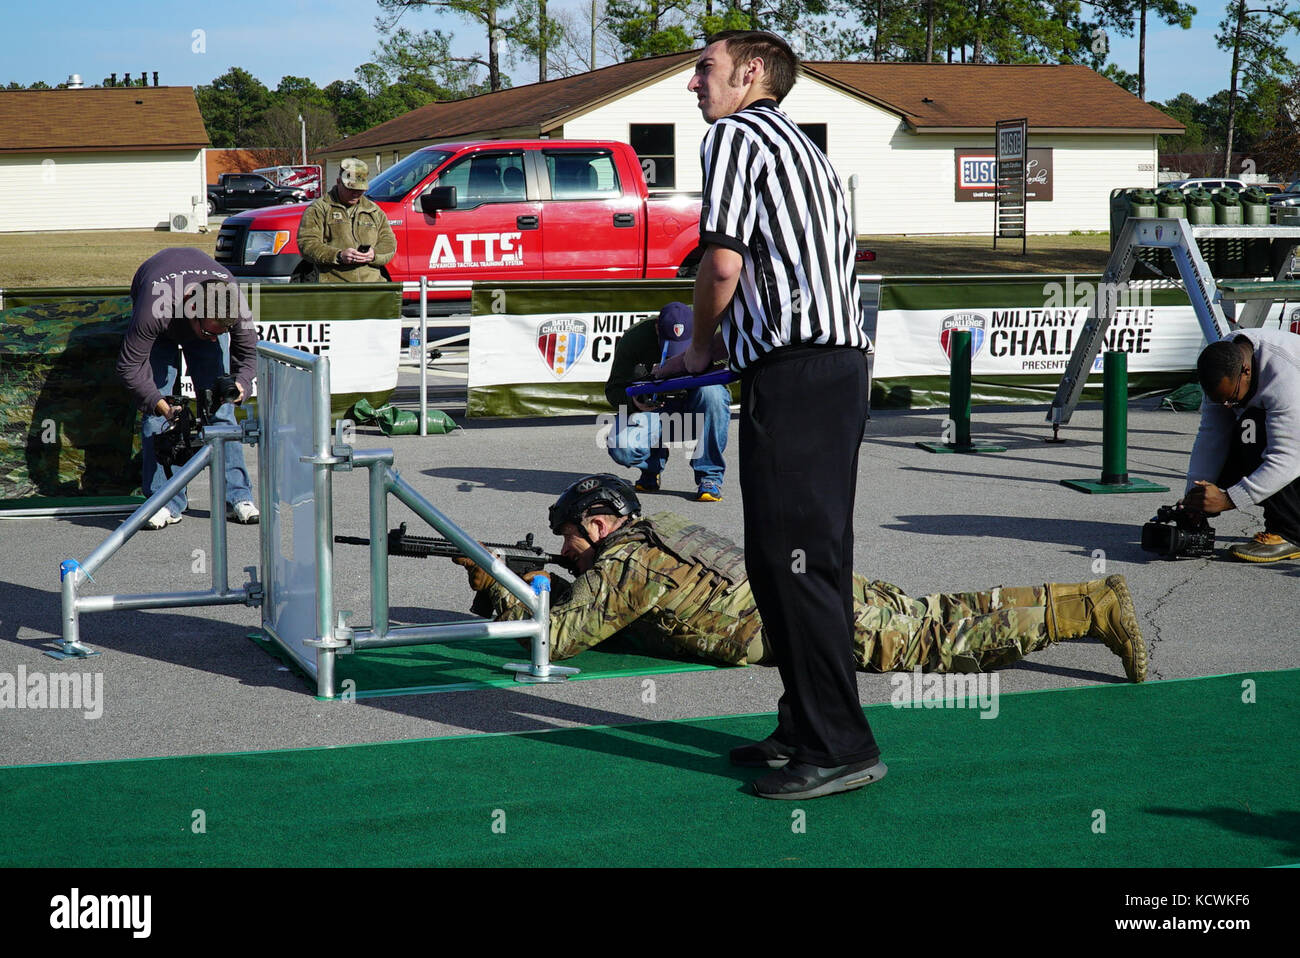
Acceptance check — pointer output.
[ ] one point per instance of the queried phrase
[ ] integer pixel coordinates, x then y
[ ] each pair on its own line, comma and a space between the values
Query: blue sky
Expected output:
326, 39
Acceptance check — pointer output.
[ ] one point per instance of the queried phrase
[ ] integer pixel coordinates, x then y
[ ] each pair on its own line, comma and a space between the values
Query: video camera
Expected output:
1173, 532
179, 441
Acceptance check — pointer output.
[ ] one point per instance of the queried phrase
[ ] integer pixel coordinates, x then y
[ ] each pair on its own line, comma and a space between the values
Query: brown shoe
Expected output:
1265, 547
1102, 608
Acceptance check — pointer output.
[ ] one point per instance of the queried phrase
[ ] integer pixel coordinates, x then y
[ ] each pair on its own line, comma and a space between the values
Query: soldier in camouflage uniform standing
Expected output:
344, 234
677, 588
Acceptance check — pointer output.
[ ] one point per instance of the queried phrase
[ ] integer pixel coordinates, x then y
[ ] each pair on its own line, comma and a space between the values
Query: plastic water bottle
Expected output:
416, 353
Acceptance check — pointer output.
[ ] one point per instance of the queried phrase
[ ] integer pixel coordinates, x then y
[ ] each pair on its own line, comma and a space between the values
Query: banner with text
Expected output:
544, 349
1023, 332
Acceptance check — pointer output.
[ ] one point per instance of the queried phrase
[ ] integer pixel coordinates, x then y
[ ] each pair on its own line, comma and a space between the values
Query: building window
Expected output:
817, 133
655, 146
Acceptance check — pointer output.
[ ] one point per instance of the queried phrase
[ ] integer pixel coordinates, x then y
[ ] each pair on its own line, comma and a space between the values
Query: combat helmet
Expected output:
601, 494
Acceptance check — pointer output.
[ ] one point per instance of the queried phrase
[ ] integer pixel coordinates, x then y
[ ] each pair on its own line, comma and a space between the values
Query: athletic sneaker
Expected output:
648, 481
710, 491
245, 513
161, 519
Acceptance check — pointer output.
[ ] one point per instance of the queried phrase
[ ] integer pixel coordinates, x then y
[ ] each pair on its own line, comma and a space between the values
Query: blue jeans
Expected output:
205, 362
637, 441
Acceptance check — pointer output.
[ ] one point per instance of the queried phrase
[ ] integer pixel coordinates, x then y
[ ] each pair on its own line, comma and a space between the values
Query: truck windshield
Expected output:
396, 181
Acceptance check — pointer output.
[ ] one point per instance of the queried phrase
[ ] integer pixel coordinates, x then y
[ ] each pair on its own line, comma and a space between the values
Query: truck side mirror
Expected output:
438, 198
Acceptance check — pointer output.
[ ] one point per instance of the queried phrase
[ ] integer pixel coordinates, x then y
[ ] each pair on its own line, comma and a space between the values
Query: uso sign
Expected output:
976, 170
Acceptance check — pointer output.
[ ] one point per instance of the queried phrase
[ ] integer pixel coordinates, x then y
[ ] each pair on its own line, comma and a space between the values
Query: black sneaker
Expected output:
769, 753
800, 780
648, 482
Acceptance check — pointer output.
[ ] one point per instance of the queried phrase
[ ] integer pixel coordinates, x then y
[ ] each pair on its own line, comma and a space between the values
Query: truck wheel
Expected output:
688, 269
212, 207
305, 274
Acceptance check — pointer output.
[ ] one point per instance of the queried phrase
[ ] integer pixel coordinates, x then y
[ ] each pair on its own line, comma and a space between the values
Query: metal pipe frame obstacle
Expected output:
959, 401
1203, 291
384, 481
328, 638
333, 636
73, 573
1114, 436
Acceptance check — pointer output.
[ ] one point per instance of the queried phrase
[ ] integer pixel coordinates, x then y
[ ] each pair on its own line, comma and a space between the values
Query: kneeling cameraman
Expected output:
1247, 450
183, 301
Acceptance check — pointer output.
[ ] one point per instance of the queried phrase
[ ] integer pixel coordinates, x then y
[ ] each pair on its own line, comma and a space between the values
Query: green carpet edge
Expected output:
507, 682
272, 648
550, 731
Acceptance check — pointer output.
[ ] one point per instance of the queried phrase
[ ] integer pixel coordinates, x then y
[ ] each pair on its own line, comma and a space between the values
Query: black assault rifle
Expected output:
521, 558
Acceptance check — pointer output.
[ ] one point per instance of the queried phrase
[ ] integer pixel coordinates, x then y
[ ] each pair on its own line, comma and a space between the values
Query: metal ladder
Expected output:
1207, 296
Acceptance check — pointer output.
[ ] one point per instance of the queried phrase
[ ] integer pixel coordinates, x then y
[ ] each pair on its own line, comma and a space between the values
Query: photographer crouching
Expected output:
183, 301
1247, 450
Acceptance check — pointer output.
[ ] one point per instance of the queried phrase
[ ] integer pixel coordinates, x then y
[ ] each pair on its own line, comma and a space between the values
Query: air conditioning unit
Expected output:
183, 223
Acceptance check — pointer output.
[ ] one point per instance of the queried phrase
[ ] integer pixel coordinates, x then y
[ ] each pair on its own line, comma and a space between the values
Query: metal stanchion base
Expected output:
70, 650
953, 447
555, 673
1097, 487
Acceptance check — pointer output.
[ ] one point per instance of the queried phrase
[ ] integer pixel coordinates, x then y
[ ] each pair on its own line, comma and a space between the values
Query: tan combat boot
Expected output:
1102, 608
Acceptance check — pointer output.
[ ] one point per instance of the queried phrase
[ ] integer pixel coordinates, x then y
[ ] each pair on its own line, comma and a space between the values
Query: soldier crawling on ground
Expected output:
676, 588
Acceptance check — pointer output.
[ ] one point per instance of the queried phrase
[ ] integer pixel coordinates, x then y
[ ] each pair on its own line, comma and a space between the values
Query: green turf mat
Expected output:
1185, 772
473, 664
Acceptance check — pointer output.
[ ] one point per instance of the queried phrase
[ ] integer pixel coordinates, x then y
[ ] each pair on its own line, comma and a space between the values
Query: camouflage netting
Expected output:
67, 425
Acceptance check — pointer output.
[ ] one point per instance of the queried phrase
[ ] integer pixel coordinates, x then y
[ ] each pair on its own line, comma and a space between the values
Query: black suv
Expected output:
248, 191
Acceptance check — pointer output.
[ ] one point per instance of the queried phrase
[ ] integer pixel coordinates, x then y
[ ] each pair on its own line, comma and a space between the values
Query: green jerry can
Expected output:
1170, 205
1200, 212
1230, 253
1254, 212
1142, 206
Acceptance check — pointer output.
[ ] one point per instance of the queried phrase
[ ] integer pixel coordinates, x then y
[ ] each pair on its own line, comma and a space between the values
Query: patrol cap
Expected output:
600, 494
674, 326
354, 174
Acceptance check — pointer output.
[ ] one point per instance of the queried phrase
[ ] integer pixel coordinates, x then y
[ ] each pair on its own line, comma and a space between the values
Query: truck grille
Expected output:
230, 245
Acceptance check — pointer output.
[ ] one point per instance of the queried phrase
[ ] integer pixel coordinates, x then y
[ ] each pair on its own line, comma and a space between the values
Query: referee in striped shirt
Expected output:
778, 277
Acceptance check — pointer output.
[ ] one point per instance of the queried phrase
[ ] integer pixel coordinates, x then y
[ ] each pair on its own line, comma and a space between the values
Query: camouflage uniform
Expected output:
677, 588
328, 227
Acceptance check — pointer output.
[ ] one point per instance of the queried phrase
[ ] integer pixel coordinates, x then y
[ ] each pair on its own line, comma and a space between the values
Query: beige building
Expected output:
916, 136
111, 158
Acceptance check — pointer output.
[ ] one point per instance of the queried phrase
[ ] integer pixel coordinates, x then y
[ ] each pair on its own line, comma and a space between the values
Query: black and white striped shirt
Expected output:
771, 195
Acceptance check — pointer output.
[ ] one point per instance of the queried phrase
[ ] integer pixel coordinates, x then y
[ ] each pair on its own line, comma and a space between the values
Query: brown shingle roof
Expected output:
92, 120
962, 96
531, 110
976, 95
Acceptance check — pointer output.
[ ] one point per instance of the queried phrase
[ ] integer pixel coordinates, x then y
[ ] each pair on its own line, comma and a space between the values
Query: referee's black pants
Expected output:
803, 412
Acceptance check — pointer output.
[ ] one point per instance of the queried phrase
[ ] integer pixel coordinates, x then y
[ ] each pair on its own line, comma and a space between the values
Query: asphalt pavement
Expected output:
187, 681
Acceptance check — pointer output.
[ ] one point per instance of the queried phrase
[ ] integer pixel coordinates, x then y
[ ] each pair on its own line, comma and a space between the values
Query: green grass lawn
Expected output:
87, 257
110, 257
901, 255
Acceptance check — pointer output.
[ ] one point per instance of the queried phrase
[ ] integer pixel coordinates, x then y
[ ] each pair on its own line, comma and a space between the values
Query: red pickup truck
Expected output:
498, 210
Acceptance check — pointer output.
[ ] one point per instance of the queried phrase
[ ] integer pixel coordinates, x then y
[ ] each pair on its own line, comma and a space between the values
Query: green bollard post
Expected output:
1114, 435
959, 402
